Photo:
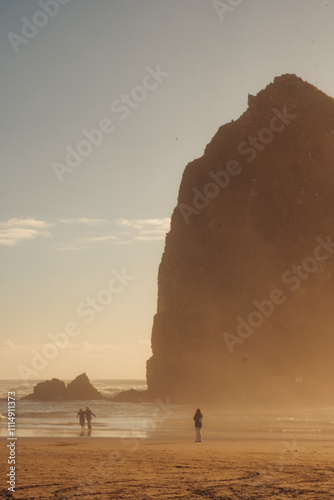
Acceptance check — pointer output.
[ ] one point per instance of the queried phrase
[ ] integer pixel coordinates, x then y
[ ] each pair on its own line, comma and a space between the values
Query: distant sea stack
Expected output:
246, 284
56, 390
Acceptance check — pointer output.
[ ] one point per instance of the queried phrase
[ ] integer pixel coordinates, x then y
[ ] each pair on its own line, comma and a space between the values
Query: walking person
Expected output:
89, 414
81, 415
198, 425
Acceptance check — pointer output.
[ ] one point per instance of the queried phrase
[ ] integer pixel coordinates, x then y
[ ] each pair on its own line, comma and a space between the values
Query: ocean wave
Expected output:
108, 388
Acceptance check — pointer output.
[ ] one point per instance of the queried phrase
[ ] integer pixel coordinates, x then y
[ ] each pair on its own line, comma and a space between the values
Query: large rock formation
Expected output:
246, 283
56, 390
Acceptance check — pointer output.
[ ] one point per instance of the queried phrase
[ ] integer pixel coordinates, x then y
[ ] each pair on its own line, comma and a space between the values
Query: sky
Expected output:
103, 105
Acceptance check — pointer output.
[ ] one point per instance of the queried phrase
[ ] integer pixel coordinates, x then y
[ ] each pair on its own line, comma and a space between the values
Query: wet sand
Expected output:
160, 468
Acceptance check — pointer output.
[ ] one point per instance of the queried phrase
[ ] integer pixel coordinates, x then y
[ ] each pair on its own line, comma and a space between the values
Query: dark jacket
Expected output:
89, 414
198, 419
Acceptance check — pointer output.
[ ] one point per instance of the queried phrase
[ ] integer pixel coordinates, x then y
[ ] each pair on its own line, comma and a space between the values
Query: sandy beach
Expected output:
164, 469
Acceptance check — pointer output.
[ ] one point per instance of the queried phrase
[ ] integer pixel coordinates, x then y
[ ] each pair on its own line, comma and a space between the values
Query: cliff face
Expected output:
245, 285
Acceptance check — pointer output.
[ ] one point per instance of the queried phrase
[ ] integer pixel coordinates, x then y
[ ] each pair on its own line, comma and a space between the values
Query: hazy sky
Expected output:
82, 212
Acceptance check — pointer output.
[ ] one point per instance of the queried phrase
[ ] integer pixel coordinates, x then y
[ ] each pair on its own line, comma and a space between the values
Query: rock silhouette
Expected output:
131, 396
81, 388
245, 284
52, 390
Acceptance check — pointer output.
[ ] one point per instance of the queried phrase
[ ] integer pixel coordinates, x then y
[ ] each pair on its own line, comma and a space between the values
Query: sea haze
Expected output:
58, 418
161, 419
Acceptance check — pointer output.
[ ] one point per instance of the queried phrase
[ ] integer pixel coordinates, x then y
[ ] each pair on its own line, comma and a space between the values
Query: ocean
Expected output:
144, 420
58, 418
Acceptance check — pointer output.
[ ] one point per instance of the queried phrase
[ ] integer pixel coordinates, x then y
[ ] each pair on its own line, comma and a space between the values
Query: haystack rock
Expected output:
53, 390
246, 283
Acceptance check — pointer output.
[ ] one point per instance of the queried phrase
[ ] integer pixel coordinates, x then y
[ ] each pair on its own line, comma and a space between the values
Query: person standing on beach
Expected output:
81, 415
89, 414
198, 425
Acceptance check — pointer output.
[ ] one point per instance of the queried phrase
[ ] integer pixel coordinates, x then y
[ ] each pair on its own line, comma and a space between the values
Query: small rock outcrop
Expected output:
55, 390
131, 396
50, 390
81, 388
